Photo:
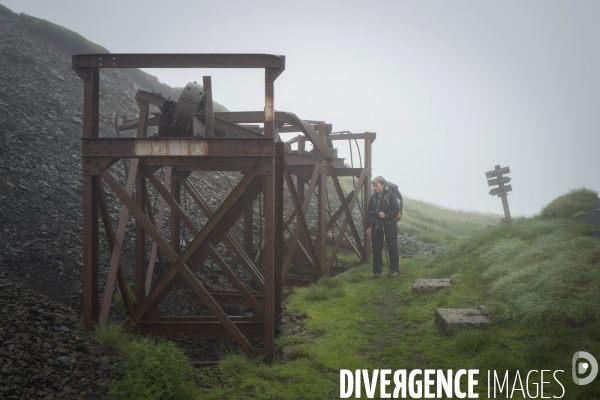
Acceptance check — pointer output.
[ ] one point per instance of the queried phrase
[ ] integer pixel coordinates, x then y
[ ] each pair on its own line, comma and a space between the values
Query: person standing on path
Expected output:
383, 208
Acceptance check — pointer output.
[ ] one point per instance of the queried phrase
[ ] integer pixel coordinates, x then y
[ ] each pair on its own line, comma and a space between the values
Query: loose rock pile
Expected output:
41, 355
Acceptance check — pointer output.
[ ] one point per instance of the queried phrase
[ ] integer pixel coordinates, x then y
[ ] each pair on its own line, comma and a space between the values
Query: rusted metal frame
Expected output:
236, 129
292, 129
198, 245
248, 231
321, 243
339, 212
91, 104
159, 222
200, 242
133, 124
348, 136
177, 147
140, 194
300, 216
209, 117
303, 249
207, 299
334, 221
200, 330
297, 231
117, 248
110, 237
189, 224
201, 164
231, 185
278, 177
356, 251
301, 193
301, 158
230, 243
174, 223
197, 260
280, 116
340, 237
269, 207
150, 97
140, 241
348, 212
232, 298
116, 60
367, 188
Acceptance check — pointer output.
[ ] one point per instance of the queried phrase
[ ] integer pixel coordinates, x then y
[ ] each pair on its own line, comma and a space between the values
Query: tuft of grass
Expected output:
571, 205
154, 370
111, 335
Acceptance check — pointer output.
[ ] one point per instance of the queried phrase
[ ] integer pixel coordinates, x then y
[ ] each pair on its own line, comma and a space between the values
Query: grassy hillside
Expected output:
74, 43
539, 277
434, 224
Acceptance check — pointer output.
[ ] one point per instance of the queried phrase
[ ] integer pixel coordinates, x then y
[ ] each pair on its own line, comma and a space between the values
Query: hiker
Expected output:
383, 208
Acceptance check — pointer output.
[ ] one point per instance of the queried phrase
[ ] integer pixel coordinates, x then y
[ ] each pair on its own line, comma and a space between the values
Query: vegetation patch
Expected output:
571, 205
538, 277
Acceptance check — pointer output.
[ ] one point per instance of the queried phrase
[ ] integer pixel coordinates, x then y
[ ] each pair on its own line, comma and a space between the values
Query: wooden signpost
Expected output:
495, 178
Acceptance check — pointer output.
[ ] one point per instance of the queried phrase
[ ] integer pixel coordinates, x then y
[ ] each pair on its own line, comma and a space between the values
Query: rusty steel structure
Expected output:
191, 137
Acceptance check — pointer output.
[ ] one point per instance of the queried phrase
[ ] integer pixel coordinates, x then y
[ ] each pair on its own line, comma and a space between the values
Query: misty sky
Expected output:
452, 88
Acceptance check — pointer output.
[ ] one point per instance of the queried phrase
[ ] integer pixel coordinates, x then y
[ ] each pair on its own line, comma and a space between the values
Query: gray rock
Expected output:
430, 285
452, 319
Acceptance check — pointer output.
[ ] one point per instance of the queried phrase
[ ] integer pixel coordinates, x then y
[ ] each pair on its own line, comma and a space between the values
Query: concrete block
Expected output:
430, 285
453, 319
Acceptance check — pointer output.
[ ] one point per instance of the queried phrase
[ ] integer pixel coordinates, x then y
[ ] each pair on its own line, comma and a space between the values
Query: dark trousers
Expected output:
391, 239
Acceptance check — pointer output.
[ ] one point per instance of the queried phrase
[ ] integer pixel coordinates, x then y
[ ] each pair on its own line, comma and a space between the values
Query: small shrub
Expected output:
154, 371
111, 335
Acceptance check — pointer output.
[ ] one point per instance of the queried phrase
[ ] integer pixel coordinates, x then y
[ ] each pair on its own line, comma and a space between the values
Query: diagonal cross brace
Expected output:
288, 257
347, 220
176, 208
228, 240
199, 244
301, 220
118, 246
178, 262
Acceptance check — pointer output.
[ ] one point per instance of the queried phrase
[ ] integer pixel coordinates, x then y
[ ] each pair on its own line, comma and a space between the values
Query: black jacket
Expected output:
387, 203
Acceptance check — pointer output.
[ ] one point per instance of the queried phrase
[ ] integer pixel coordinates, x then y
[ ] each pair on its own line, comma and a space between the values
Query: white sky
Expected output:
452, 88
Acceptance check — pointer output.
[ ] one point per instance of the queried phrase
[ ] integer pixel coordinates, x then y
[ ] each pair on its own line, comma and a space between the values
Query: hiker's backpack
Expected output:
394, 188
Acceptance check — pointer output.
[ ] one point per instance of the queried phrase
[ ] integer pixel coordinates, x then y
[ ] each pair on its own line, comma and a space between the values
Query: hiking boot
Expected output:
377, 275
393, 274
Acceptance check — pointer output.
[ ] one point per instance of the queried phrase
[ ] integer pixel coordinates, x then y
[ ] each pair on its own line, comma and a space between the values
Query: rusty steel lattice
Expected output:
192, 137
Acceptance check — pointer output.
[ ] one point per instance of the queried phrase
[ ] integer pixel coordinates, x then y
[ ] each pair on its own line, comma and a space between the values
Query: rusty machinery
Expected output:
191, 137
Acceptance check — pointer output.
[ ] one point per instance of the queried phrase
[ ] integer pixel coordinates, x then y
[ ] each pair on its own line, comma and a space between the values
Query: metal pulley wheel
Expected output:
186, 124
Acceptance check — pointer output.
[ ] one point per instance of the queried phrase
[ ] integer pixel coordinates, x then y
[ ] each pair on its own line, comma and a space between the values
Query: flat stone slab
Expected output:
453, 319
430, 285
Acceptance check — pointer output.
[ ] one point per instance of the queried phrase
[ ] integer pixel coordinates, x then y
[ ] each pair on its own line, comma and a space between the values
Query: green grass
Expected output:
538, 276
154, 370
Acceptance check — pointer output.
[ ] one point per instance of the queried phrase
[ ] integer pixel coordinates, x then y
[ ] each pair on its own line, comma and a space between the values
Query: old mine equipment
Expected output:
193, 139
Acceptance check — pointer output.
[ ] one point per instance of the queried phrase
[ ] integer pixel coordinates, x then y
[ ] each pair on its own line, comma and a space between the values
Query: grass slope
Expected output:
538, 276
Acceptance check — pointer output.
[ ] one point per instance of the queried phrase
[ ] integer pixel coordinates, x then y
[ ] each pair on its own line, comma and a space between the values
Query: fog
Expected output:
451, 88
